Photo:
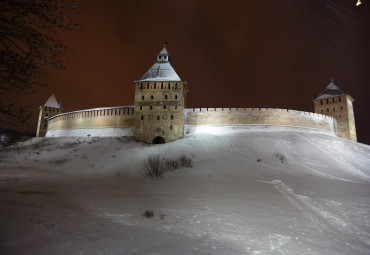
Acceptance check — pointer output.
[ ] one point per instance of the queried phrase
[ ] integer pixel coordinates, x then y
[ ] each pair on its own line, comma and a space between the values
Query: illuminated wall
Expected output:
114, 121
259, 116
341, 108
159, 110
111, 118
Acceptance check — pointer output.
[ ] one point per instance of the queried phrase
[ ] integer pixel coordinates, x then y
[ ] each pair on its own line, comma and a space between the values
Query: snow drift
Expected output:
250, 191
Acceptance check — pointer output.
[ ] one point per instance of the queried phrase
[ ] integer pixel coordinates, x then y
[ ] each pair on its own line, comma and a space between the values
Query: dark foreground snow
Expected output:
86, 195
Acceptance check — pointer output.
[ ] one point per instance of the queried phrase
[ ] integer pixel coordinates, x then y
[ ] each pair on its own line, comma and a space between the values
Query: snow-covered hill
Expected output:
250, 191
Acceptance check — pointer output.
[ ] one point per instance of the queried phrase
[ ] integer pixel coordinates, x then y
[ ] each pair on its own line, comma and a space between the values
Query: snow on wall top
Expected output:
162, 69
52, 102
330, 91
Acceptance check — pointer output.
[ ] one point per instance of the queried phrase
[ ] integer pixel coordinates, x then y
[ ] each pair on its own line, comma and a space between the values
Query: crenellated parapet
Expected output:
260, 116
108, 117
122, 118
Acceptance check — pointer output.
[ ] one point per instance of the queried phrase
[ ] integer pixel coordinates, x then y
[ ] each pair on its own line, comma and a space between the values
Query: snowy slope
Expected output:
86, 195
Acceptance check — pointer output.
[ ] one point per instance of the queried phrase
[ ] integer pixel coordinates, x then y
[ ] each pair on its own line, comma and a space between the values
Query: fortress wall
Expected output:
119, 121
67, 124
258, 116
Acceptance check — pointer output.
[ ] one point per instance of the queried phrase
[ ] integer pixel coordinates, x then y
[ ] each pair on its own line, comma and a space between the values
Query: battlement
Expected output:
259, 116
254, 110
159, 85
121, 117
95, 112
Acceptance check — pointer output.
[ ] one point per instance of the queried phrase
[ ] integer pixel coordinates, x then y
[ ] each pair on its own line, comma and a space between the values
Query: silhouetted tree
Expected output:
29, 48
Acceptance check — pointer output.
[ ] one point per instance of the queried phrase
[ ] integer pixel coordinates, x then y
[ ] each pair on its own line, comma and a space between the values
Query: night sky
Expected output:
278, 54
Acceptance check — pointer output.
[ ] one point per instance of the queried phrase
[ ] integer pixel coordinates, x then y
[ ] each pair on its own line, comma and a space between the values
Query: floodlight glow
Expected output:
212, 130
358, 3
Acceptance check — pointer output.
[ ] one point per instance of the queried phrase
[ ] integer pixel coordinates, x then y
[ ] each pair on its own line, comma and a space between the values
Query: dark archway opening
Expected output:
158, 140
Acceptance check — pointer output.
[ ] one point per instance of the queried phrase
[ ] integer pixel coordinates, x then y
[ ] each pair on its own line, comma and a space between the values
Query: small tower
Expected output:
333, 102
49, 109
159, 103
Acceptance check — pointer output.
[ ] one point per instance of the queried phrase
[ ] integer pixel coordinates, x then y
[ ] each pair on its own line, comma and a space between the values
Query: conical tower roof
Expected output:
52, 102
162, 69
330, 91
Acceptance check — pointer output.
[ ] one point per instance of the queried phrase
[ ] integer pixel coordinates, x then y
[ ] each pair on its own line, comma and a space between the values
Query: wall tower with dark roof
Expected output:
333, 102
159, 103
49, 109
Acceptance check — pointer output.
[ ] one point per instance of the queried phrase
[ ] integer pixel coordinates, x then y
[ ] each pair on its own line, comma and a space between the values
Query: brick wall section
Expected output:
108, 117
263, 116
340, 108
124, 117
45, 112
159, 110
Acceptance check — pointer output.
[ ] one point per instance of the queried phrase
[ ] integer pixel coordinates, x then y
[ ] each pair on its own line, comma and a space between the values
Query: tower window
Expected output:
165, 96
327, 101
155, 85
175, 106
171, 117
327, 109
321, 101
147, 86
341, 108
161, 85
141, 107
170, 127
152, 97
142, 117
175, 96
151, 107
142, 97
158, 117
340, 99
164, 106
333, 109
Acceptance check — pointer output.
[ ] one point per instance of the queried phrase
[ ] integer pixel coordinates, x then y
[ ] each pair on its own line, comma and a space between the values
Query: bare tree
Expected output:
29, 48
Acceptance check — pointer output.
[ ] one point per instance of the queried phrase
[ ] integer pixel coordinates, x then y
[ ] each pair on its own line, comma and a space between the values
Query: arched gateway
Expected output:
158, 140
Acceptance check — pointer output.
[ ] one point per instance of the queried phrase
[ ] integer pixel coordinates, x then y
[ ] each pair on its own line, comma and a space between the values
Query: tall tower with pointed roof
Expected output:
333, 102
49, 109
159, 103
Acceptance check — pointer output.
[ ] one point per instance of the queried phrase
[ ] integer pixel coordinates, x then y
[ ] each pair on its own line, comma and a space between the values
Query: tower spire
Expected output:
162, 69
163, 56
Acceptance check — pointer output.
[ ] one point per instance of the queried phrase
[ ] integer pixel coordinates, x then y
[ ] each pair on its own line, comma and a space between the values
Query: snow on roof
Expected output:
330, 91
52, 102
163, 51
162, 69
